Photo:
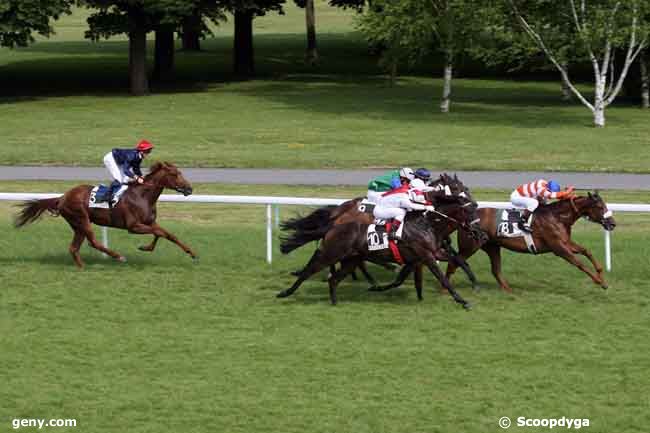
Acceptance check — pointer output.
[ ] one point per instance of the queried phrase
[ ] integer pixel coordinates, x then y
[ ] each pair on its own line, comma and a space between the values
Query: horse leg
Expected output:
565, 251
466, 249
92, 240
151, 246
435, 270
494, 252
417, 279
579, 249
156, 230
369, 278
401, 277
347, 266
459, 261
77, 240
314, 265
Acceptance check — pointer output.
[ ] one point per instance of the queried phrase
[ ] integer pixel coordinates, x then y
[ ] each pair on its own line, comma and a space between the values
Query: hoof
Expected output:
282, 295
144, 248
467, 306
605, 286
121, 259
195, 259
295, 273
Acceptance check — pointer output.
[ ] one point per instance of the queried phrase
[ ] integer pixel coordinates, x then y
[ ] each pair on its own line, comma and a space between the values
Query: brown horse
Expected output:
348, 244
551, 233
135, 212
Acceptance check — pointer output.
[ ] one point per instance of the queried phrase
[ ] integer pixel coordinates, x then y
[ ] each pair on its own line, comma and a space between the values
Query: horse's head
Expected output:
463, 211
167, 175
596, 210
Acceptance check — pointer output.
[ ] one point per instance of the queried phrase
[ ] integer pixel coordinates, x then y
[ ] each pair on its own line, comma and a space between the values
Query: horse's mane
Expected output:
560, 204
158, 166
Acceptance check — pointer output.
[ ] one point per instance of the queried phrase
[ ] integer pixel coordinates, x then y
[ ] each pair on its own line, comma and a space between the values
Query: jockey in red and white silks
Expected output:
394, 205
529, 195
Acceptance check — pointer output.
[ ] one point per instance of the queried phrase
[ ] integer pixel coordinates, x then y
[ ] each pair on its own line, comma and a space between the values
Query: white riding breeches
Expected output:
386, 213
521, 202
374, 196
114, 169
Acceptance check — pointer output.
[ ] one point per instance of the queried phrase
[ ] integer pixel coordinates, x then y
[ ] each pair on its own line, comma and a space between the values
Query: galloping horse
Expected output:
135, 212
315, 226
348, 244
551, 233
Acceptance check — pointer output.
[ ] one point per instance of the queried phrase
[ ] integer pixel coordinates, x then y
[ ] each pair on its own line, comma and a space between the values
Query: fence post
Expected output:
608, 251
105, 239
269, 235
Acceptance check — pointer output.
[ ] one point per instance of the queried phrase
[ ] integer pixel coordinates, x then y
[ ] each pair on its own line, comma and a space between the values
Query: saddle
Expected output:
100, 194
366, 206
509, 226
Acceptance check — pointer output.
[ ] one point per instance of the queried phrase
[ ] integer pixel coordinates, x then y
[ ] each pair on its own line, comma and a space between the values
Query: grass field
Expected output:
161, 344
63, 101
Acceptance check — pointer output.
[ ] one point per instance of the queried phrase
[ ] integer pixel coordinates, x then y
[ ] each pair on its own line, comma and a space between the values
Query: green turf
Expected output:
161, 344
64, 103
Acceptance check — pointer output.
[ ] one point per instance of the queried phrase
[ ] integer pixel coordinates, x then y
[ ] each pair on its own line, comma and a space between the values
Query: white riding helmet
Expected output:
407, 173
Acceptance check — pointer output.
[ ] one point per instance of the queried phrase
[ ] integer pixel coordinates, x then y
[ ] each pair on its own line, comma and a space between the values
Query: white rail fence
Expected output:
276, 202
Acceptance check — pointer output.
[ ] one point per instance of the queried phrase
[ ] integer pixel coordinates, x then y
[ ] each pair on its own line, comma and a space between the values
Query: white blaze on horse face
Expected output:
462, 194
608, 214
447, 190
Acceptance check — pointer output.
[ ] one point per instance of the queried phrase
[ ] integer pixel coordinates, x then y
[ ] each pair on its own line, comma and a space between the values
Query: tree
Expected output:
311, 53
410, 29
245, 12
645, 79
20, 18
601, 28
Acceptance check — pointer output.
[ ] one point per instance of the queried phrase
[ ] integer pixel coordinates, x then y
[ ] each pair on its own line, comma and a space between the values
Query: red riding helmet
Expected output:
144, 145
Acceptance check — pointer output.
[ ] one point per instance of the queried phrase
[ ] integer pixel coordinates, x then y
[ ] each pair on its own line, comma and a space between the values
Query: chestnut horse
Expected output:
135, 212
551, 233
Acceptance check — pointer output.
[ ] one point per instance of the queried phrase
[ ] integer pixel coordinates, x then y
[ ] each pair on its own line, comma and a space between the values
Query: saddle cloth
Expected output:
508, 227
99, 196
377, 237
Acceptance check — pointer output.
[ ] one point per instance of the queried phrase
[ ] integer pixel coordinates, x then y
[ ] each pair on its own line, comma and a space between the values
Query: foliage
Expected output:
20, 18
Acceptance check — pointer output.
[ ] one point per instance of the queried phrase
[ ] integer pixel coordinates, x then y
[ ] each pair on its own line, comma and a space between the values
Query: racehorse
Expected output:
135, 212
551, 232
348, 244
315, 226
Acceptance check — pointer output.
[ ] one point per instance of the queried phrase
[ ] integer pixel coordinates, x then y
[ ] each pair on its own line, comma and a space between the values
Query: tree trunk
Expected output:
311, 56
392, 73
566, 91
138, 53
446, 88
164, 54
243, 49
599, 102
191, 35
645, 80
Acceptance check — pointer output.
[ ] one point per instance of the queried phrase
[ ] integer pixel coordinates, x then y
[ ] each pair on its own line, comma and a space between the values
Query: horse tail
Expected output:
33, 209
306, 229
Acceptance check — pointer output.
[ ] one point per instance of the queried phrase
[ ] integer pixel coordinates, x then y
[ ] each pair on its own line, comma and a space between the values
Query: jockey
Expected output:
124, 167
389, 181
529, 195
395, 203
422, 179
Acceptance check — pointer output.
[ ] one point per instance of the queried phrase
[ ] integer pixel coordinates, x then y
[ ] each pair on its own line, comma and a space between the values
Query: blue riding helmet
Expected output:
395, 183
423, 174
553, 186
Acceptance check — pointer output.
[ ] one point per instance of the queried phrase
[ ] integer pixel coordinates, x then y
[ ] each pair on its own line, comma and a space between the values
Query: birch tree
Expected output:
645, 79
603, 29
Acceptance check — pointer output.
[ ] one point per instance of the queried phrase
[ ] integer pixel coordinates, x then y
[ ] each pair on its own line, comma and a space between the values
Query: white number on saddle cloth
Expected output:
92, 200
509, 228
376, 240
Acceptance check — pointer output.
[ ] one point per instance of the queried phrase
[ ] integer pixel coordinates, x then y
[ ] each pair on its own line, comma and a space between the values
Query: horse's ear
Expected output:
589, 194
596, 193
155, 167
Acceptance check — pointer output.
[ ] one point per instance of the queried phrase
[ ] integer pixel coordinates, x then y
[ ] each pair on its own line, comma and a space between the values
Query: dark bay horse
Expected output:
135, 212
347, 244
551, 233
314, 226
